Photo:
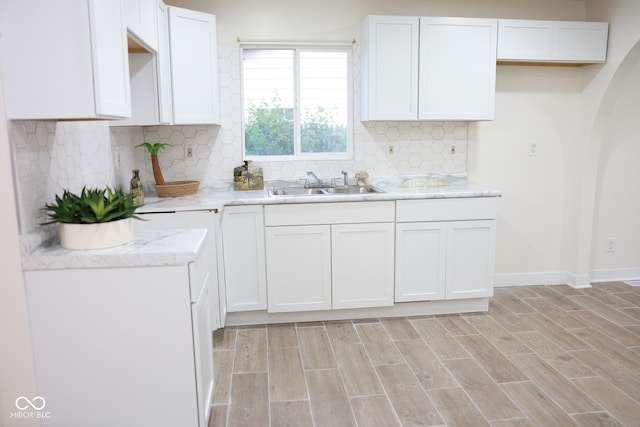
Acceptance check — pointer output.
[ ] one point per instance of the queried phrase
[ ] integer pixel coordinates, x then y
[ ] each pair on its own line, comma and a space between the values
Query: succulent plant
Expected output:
91, 206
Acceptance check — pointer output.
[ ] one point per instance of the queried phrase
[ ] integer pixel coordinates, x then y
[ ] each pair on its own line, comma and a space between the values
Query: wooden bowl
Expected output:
177, 188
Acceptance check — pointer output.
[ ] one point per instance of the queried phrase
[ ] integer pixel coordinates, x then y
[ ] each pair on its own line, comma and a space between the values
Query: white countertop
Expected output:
148, 248
398, 189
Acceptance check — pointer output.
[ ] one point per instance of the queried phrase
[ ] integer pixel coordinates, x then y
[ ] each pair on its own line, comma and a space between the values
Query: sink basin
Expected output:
353, 189
301, 191
295, 191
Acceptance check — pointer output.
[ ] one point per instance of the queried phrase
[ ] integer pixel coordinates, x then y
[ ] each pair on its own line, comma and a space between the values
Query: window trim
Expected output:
299, 47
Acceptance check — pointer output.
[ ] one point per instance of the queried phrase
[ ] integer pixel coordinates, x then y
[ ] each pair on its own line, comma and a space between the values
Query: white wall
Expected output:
614, 147
16, 362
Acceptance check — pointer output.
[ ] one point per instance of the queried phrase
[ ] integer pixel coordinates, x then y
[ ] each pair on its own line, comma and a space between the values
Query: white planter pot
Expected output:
96, 236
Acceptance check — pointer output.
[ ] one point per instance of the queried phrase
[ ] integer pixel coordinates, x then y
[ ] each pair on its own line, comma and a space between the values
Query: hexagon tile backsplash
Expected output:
49, 157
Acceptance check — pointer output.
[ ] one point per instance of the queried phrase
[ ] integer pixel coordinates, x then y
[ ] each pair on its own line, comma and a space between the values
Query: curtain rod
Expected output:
293, 43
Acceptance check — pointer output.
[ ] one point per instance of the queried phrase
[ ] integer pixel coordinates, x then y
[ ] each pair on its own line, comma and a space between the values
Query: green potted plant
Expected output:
167, 189
95, 218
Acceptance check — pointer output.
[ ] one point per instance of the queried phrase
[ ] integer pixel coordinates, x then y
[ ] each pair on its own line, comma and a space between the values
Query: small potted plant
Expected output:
167, 189
94, 219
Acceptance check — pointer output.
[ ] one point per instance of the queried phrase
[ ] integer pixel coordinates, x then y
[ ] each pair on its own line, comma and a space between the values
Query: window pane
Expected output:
323, 101
268, 102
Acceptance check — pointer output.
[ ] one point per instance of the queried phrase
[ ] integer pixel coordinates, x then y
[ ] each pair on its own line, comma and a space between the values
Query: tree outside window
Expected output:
297, 103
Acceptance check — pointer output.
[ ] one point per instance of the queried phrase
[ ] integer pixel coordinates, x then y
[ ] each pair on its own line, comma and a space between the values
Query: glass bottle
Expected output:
136, 188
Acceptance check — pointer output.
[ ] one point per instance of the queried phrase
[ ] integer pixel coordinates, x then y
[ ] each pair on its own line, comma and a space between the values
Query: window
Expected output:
297, 103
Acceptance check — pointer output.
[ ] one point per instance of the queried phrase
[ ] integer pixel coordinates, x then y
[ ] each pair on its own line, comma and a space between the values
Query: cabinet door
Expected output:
389, 72
457, 69
524, 40
580, 41
164, 66
420, 261
202, 351
110, 59
140, 19
244, 258
362, 259
194, 67
64, 60
299, 268
470, 259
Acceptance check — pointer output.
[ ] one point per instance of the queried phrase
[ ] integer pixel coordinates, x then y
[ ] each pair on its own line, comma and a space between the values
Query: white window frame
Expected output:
298, 155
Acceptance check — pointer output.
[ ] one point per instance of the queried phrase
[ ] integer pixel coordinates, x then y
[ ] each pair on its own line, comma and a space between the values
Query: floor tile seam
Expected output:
611, 383
605, 330
376, 373
478, 361
598, 311
391, 336
288, 400
438, 319
461, 386
558, 326
535, 381
542, 390
340, 373
482, 367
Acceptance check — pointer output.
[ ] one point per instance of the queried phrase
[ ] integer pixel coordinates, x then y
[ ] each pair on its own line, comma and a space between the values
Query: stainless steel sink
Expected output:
295, 191
353, 189
301, 191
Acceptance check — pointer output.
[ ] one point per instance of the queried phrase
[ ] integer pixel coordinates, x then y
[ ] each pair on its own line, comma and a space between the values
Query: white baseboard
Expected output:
563, 277
527, 279
615, 274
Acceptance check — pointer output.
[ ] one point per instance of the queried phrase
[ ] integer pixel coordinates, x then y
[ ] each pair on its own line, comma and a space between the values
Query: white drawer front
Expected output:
329, 213
446, 209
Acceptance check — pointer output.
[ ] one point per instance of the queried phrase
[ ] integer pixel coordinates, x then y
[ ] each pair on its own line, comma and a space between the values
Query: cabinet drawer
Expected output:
329, 213
446, 209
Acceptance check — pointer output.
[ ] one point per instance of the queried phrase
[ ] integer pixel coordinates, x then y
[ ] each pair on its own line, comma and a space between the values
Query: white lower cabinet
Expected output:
324, 256
244, 258
299, 267
123, 346
438, 259
362, 265
420, 261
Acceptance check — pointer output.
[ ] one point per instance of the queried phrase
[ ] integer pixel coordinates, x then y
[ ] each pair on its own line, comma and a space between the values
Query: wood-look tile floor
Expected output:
541, 356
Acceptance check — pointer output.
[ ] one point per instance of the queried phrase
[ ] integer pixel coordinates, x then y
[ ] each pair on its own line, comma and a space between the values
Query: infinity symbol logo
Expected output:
36, 403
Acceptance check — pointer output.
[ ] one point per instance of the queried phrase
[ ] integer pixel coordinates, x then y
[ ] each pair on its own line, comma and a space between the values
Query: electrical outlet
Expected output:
189, 152
611, 244
533, 149
391, 151
452, 149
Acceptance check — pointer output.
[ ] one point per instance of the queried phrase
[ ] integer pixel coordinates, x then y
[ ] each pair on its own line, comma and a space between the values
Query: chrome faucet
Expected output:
318, 182
345, 176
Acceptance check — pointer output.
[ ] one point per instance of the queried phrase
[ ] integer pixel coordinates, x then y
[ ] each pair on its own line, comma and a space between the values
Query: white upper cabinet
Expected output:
428, 68
525, 40
64, 60
457, 68
177, 84
389, 72
140, 19
552, 41
194, 67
